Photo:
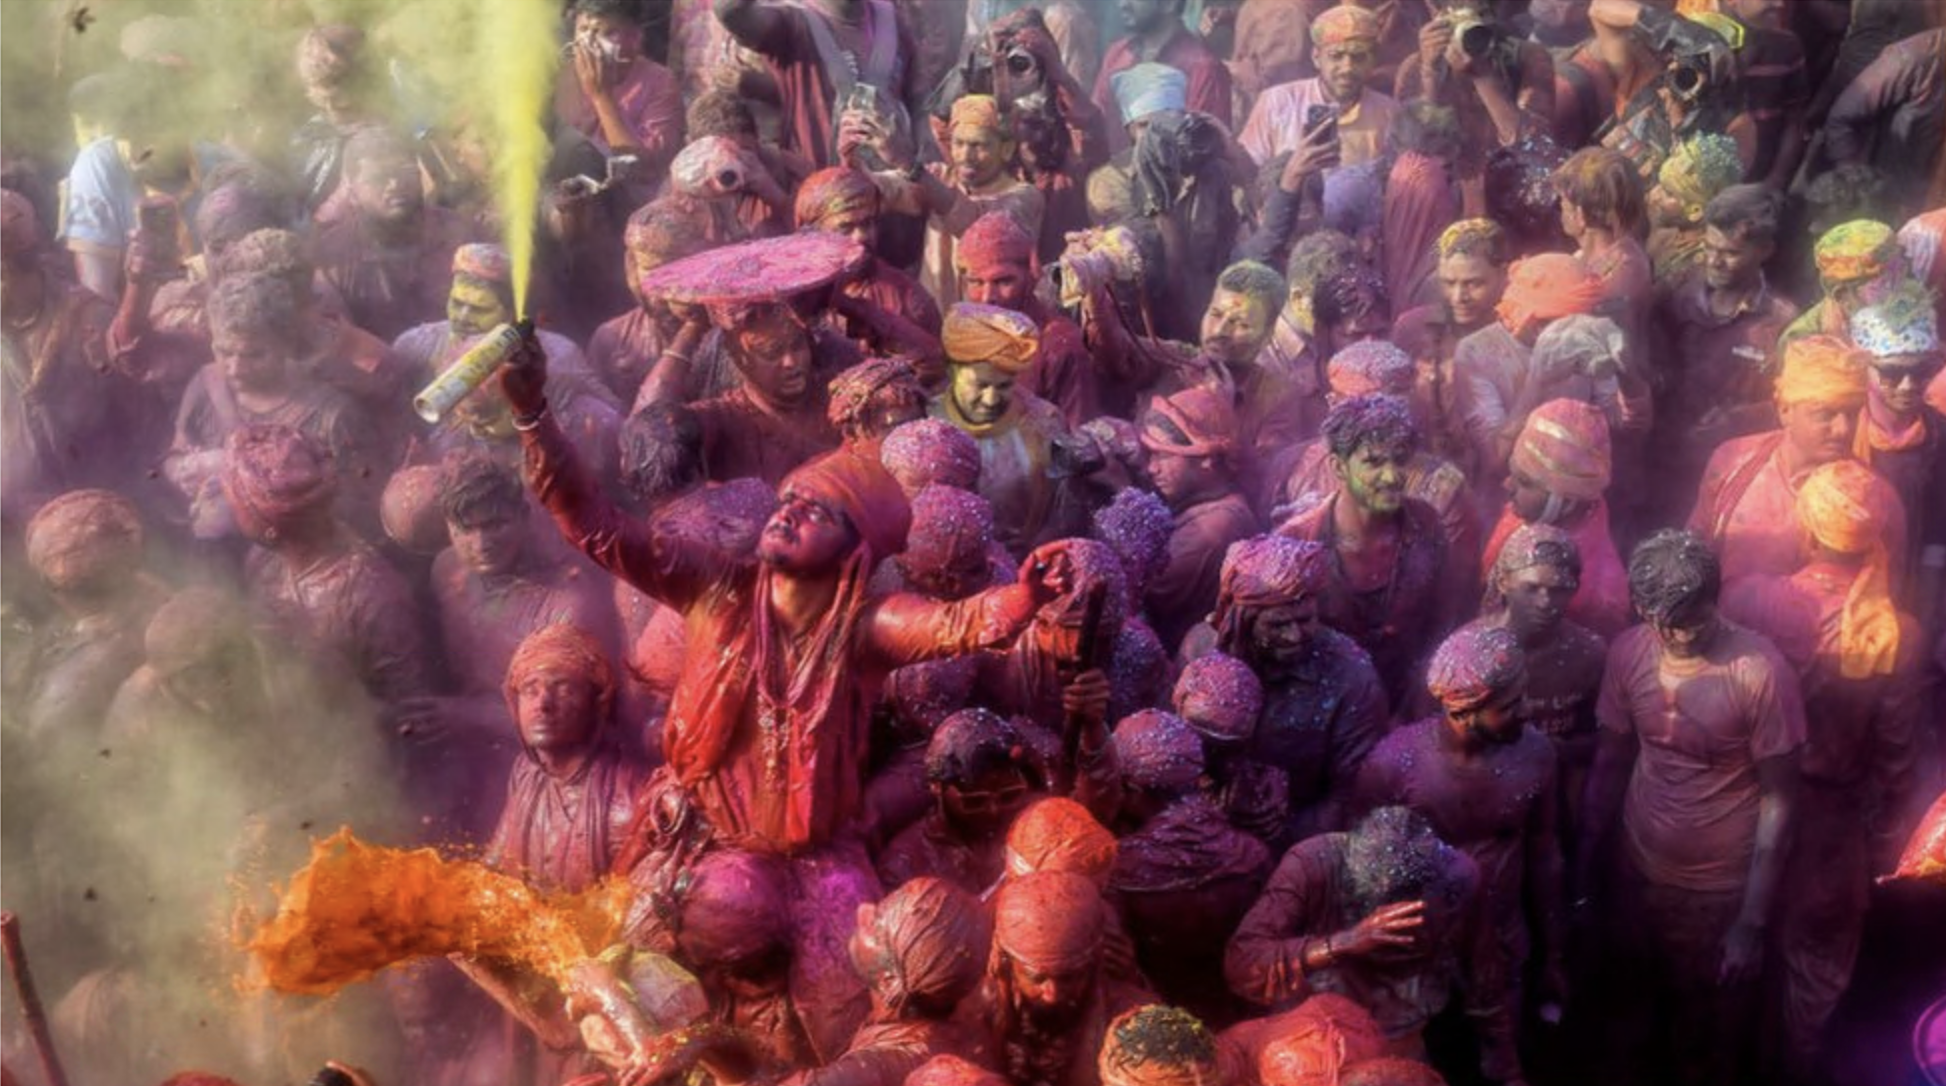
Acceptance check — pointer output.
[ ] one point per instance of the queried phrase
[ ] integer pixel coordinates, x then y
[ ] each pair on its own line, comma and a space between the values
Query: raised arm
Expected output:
762, 27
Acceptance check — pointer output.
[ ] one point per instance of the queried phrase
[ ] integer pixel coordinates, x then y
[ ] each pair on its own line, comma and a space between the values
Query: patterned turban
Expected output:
1206, 419
82, 535
934, 936
1546, 287
1159, 751
1849, 508
839, 190
950, 527
1822, 370
1264, 572
1564, 447
1907, 323
1856, 251
1001, 338
1474, 666
1345, 24
853, 392
489, 263
276, 472
995, 240
1149, 88
1698, 169
1220, 697
1048, 921
1370, 366
980, 111
1159, 1046
927, 451
564, 649
864, 492
1059, 835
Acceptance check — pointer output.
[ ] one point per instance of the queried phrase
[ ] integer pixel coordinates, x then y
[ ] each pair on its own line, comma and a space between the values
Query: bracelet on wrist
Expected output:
531, 421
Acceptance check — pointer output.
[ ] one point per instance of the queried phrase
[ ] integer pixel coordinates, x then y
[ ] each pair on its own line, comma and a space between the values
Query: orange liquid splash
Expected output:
356, 909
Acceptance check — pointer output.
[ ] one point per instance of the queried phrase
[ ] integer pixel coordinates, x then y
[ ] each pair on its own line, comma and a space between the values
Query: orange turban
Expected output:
1564, 447
980, 111
839, 190
1823, 370
1159, 1046
1049, 921
1057, 834
1547, 286
1848, 508
1855, 251
564, 649
1001, 338
1345, 23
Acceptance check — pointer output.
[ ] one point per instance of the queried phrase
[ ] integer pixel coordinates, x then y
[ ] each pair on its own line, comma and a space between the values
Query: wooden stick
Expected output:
31, 1010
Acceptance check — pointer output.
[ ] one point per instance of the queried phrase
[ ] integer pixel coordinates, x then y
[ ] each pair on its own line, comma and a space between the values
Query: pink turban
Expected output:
995, 240
1474, 666
839, 190
1564, 447
736, 908
83, 534
276, 472
1206, 419
410, 509
1137, 525
1220, 697
1159, 751
1370, 366
950, 527
927, 451
853, 392
1049, 921
1263, 572
935, 937
1547, 286
864, 492
485, 262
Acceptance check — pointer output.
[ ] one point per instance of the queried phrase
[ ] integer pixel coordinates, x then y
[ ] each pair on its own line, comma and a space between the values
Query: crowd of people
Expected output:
1050, 544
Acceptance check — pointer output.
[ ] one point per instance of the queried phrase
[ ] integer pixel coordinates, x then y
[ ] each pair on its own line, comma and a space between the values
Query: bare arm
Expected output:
1602, 803
754, 24
1777, 782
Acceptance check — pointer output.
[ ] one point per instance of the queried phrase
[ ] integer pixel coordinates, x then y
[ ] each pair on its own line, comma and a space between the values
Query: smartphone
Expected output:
156, 215
330, 1076
1322, 117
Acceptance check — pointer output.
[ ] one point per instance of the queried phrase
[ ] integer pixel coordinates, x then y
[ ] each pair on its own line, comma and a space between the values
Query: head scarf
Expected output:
1001, 338
935, 936
1822, 370
1137, 525
1264, 572
564, 649
1207, 420
949, 526
1048, 921
928, 451
1546, 287
1907, 323
410, 510
1159, 751
1059, 835
839, 190
488, 263
1564, 446
853, 391
981, 111
1855, 251
1160, 1046
1149, 88
1699, 168
1370, 366
735, 907
276, 472
88, 532
1220, 697
995, 240
1848, 508
1346, 23
1474, 666
953, 1071
20, 228
864, 492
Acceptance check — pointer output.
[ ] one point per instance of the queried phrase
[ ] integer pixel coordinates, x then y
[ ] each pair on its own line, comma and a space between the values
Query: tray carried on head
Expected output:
751, 272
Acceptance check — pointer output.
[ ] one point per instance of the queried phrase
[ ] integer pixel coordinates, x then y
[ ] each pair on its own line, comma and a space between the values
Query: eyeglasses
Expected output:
990, 802
1894, 376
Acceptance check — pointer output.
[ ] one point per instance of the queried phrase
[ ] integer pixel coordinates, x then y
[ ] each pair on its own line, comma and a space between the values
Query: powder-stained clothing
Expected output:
1690, 817
1063, 372
1456, 957
648, 97
1320, 719
1277, 122
1716, 374
624, 349
483, 618
1428, 334
388, 290
1015, 454
880, 53
563, 833
1893, 116
1183, 594
1439, 483
938, 273
1747, 509
64, 402
1529, 73
1601, 601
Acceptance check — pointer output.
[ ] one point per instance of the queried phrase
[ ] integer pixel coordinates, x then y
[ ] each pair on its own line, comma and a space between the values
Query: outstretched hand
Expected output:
523, 378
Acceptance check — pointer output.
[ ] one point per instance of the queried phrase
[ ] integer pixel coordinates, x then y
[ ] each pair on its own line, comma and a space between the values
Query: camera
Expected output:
1020, 61
1689, 76
729, 178
1474, 35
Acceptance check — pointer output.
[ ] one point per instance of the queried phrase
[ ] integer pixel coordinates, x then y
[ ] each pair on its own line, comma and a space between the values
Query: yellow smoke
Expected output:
517, 39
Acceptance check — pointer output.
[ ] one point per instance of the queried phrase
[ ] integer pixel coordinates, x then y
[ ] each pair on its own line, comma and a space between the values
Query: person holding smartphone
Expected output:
1344, 46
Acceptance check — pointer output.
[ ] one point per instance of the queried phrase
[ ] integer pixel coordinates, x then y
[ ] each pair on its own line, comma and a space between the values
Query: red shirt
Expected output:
1209, 78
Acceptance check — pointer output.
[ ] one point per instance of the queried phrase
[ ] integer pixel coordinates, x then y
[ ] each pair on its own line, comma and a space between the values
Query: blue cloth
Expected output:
102, 194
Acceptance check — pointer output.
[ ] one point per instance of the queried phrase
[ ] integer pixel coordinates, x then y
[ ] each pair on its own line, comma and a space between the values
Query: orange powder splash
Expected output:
355, 909
1924, 859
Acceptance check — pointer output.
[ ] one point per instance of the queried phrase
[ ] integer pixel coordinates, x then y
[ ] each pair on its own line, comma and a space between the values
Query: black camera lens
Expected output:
1476, 40
1687, 80
1020, 63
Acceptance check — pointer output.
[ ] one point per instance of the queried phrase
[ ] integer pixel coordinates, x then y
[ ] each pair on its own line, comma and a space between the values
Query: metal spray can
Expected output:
467, 373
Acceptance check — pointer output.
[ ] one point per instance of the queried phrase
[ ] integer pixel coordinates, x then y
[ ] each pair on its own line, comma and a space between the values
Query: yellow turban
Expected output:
980, 111
1344, 24
1821, 370
1848, 508
1001, 338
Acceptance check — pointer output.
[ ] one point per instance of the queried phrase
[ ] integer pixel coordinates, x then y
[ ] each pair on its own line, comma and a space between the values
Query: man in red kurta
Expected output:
995, 259
847, 201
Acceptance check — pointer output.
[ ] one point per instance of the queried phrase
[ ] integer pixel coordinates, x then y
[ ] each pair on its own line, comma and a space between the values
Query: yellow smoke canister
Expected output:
467, 373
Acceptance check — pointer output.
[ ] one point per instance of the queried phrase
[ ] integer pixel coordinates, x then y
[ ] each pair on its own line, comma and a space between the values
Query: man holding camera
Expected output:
1344, 45
1501, 87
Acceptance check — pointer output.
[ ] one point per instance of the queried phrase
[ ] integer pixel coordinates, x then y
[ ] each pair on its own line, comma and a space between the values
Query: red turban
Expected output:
995, 240
1390, 1071
1564, 447
1051, 922
950, 527
736, 908
1474, 666
1220, 697
276, 472
1207, 420
564, 649
1848, 508
410, 509
1159, 1046
864, 492
927, 451
1059, 835
853, 392
1316, 1040
1159, 752
1263, 572
839, 190
1547, 286
1368, 367
82, 535
935, 936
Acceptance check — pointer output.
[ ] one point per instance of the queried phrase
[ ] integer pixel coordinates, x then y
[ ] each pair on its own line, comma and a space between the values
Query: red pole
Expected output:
31, 1010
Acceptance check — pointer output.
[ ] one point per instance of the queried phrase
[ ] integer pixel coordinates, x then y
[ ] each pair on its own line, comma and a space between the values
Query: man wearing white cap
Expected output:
1141, 92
